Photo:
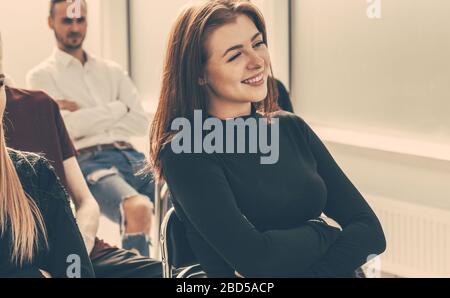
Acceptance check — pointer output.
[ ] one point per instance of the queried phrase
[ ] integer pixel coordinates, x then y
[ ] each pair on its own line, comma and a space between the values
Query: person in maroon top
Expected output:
33, 123
49, 137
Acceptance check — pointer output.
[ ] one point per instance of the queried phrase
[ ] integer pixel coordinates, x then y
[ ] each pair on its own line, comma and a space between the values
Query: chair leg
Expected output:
191, 271
157, 224
166, 262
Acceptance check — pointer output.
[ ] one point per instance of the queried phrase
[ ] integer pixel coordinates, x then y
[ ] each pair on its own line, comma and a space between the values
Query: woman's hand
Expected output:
45, 274
89, 242
67, 105
331, 222
323, 219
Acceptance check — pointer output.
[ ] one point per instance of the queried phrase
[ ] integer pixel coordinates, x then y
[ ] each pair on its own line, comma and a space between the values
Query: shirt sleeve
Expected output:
135, 122
199, 184
86, 121
216, 266
362, 234
65, 244
43, 81
91, 121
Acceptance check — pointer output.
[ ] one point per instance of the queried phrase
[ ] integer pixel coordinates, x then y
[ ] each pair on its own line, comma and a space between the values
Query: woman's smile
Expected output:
255, 81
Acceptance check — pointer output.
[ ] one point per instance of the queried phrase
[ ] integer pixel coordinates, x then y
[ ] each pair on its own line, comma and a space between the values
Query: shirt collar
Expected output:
65, 59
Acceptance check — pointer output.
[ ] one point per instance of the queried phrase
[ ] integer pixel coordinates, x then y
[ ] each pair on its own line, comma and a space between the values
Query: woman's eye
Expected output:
259, 44
234, 57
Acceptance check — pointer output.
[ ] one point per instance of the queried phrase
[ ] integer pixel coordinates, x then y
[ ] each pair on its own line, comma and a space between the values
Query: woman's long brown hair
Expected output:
185, 61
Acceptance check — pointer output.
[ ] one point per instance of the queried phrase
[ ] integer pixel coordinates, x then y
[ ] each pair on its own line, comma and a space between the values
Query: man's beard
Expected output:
67, 46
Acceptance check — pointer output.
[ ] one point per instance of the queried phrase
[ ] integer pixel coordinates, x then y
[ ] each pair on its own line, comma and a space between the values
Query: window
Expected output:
388, 76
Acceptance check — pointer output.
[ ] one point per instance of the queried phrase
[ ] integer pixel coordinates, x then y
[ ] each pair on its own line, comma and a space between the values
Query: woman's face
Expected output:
238, 65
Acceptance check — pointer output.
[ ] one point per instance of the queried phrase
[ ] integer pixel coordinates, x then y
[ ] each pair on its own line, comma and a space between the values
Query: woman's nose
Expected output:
255, 61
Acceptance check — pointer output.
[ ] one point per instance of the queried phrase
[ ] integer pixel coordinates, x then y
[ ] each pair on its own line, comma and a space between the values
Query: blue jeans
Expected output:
112, 177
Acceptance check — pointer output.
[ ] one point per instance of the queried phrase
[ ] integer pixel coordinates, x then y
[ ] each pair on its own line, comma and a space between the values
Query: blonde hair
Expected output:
18, 212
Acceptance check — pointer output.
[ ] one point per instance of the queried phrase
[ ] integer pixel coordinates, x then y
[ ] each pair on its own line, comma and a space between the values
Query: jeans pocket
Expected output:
84, 157
136, 159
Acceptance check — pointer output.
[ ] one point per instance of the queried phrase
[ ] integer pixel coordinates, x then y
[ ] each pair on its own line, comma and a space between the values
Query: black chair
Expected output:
284, 99
178, 259
162, 206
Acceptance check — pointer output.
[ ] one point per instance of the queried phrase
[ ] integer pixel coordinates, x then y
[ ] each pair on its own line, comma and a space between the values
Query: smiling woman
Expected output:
236, 75
244, 217
229, 73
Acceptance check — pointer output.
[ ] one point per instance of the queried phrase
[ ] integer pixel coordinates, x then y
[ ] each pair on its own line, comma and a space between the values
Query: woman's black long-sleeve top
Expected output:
252, 218
65, 243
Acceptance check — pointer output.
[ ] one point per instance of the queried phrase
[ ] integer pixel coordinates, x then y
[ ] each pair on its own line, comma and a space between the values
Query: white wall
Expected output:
390, 74
276, 14
377, 92
113, 30
150, 23
379, 79
27, 39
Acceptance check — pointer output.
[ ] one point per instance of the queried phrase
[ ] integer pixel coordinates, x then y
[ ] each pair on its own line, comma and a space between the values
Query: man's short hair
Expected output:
54, 2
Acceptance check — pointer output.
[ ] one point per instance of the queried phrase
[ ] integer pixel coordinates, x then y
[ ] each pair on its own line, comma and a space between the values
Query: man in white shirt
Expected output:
101, 110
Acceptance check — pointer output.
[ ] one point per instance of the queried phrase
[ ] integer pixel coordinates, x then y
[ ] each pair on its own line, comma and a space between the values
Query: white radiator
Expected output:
418, 238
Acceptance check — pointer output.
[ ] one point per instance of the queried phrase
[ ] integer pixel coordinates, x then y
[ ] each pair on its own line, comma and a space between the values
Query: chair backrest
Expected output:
176, 249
